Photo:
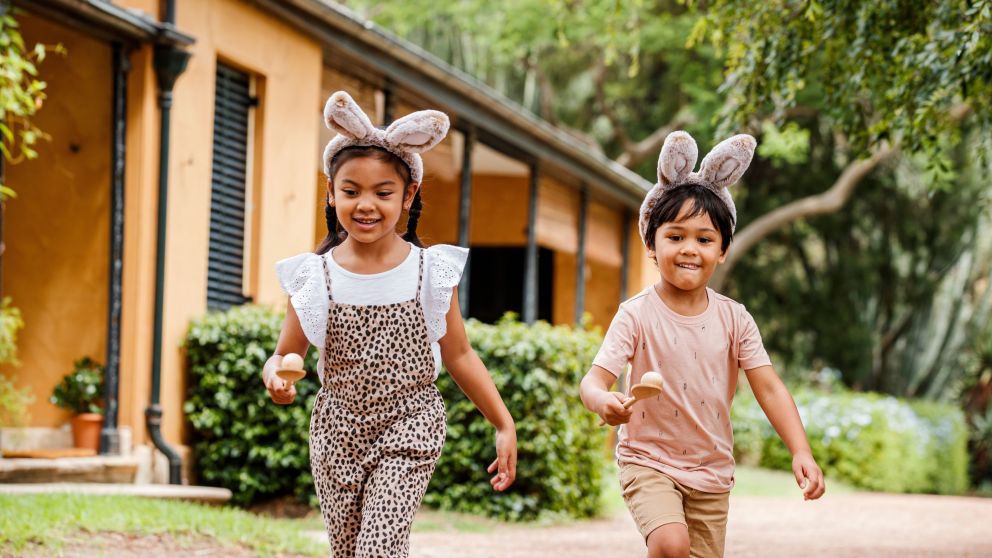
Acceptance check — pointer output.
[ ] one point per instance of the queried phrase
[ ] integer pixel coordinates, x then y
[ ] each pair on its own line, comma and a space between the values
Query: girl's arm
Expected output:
291, 340
777, 403
468, 371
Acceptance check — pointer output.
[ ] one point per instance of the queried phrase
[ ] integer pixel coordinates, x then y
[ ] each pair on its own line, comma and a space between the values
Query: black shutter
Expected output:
225, 266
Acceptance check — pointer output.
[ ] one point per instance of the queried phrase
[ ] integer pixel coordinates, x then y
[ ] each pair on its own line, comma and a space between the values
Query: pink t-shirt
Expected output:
685, 432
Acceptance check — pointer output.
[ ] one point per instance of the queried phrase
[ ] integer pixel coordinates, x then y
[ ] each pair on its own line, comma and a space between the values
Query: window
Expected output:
226, 260
497, 282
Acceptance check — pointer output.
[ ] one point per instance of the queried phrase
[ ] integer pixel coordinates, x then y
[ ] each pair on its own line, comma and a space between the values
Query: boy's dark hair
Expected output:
704, 202
335, 235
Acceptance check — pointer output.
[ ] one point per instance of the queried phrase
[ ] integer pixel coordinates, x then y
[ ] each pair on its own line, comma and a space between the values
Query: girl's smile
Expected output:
369, 197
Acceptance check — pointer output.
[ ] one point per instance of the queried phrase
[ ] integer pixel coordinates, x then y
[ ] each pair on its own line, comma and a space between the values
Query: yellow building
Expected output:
227, 161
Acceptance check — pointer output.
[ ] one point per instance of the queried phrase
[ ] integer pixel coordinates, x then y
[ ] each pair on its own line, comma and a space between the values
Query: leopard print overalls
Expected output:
377, 426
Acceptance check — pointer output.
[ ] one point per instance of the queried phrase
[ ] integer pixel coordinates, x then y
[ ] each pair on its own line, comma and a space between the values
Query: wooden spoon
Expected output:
650, 386
291, 376
292, 368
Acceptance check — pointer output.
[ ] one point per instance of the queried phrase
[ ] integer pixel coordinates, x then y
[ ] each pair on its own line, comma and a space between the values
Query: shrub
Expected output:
242, 440
258, 450
81, 391
865, 439
561, 454
10, 324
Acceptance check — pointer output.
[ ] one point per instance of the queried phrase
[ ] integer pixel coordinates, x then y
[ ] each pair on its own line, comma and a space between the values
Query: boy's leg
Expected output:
706, 516
655, 502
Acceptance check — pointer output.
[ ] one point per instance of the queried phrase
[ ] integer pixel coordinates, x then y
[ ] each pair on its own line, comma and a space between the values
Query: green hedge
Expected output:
241, 440
537, 369
257, 449
871, 441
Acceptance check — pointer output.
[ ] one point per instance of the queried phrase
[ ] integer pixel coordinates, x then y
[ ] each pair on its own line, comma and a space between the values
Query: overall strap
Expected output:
420, 273
327, 273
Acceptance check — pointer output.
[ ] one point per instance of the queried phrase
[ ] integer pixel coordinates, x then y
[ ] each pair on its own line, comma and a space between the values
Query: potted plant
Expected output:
81, 391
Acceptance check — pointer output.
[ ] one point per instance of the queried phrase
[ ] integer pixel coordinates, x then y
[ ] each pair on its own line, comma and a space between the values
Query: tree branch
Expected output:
650, 145
633, 152
547, 91
599, 81
827, 202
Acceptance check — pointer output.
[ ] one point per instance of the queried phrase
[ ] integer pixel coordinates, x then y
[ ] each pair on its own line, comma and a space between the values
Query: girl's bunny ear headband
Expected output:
720, 169
406, 138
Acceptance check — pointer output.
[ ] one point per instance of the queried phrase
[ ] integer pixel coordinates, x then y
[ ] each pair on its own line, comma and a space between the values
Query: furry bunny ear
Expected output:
342, 113
419, 131
725, 165
677, 158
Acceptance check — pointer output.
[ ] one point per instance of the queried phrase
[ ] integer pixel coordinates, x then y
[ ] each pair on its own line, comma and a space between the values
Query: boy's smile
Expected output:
687, 251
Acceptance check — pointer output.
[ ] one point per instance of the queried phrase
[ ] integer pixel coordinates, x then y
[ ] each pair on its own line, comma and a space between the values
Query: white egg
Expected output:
652, 378
292, 361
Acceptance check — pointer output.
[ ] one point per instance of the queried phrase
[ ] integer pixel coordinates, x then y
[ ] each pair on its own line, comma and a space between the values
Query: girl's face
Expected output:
688, 250
369, 197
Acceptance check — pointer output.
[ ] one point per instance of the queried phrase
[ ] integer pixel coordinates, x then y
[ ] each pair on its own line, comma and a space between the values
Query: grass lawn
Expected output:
46, 521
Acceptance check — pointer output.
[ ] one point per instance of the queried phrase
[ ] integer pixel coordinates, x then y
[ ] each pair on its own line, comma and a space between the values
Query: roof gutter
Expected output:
108, 21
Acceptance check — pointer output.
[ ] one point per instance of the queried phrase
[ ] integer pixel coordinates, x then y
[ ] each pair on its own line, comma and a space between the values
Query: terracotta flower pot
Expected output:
86, 430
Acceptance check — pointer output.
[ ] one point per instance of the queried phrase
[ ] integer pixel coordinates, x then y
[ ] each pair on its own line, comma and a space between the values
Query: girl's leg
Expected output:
409, 451
669, 541
337, 482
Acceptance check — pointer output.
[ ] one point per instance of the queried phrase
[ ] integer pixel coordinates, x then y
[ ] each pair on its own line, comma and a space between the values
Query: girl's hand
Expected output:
808, 475
506, 459
280, 391
611, 409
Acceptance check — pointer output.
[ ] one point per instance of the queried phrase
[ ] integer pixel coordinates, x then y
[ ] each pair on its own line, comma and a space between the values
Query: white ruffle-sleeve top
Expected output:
302, 277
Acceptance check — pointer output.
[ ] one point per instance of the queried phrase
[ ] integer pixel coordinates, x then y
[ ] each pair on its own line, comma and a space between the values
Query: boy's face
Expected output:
688, 250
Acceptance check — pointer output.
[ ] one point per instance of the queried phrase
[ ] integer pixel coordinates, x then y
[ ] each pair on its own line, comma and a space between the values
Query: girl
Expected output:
383, 311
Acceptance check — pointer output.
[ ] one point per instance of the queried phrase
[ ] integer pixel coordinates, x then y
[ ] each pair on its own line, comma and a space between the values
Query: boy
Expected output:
675, 451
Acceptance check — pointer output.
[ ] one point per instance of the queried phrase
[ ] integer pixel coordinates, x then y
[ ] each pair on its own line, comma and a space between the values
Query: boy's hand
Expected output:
505, 464
280, 391
808, 476
611, 409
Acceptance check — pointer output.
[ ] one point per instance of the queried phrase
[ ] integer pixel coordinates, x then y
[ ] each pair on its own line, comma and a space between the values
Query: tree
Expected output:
888, 75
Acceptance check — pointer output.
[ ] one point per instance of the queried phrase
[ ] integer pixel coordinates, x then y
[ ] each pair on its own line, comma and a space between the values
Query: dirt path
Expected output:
850, 525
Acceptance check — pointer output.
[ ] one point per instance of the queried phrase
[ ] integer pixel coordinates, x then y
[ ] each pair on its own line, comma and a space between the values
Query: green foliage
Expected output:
537, 370
14, 403
21, 93
628, 60
887, 69
10, 324
244, 442
241, 439
81, 391
867, 440
888, 289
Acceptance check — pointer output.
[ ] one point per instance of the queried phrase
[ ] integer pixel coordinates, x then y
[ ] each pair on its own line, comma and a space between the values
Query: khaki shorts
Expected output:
655, 499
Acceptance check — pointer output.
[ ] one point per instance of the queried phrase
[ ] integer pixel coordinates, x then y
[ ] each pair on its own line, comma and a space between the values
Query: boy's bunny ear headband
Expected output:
720, 169
406, 138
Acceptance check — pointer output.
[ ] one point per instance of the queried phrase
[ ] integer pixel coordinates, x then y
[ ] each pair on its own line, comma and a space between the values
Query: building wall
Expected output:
287, 67
56, 230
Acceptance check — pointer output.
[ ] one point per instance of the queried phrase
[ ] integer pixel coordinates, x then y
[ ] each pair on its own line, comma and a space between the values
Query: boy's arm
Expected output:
469, 372
779, 407
597, 397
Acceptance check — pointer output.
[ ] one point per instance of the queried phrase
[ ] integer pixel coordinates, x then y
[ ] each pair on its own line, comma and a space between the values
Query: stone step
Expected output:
202, 494
98, 469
